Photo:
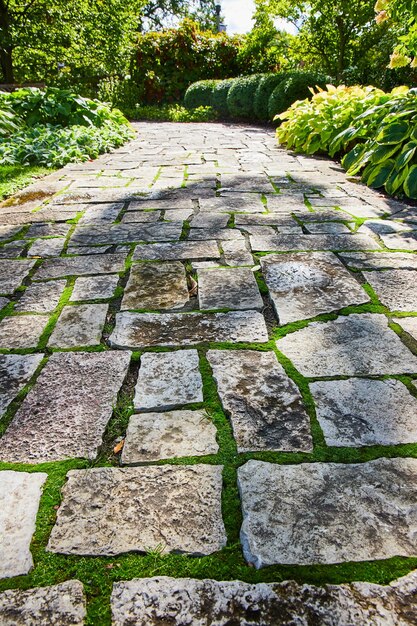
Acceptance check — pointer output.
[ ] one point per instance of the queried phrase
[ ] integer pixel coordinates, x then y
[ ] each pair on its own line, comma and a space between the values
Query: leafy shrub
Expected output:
266, 86
174, 113
219, 96
123, 94
295, 87
240, 99
199, 94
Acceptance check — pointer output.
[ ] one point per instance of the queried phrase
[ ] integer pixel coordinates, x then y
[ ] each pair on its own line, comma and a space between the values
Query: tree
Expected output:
337, 32
401, 16
159, 14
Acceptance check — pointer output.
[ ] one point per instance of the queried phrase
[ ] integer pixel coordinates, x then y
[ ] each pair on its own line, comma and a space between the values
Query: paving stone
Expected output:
94, 288
126, 233
156, 436
41, 297
236, 253
12, 250
12, 274
101, 213
348, 346
48, 230
143, 217
180, 601
20, 493
81, 266
107, 511
141, 330
162, 204
210, 220
220, 234
265, 406
66, 412
303, 285
174, 215
156, 286
285, 224
39, 216
363, 412
7, 232
336, 228
181, 250
409, 324
337, 516
396, 289
400, 241
253, 204
384, 227
285, 203
168, 379
15, 372
22, 331
46, 247
380, 261
228, 289
59, 605
3, 302
287, 243
79, 325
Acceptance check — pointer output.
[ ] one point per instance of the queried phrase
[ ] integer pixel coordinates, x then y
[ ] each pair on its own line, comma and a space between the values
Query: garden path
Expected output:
208, 360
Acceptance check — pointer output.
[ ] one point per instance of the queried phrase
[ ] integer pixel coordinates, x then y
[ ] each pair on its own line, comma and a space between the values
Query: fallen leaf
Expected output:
119, 447
193, 289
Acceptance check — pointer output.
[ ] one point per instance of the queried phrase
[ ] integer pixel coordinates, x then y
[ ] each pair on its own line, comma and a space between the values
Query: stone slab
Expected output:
363, 412
20, 494
148, 217
409, 324
173, 251
94, 287
41, 297
12, 274
210, 220
12, 250
400, 241
108, 511
180, 601
22, 331
237, 253
48, 230
327, 228
335, 515
101, 213
66, 412
81, 266
15, 372
155, 286
46, 247
288, 243
380, 261
228, 289
168, 379
141, 330
3, 302
303, 285
58, 605
240, 204
155, 436
7, 232
356, 345
79, 325
396, 289
126, 233
220, 234
264, 404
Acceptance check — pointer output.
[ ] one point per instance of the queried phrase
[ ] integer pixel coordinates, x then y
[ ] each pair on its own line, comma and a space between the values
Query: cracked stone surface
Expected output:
156, 436
79, 387
41, 297
338, 513
81, 266
168, 379
359, 344
362, 412
79, 325
59, 605
22, 331
12, 274
126, 233
228, 289
396, 289
141, 330
107, 511
265, 406
304, 285
180, 601
156, 286
20, 493
15, 372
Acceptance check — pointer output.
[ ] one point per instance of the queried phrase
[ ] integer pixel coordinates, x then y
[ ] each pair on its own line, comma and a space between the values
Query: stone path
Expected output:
208, 362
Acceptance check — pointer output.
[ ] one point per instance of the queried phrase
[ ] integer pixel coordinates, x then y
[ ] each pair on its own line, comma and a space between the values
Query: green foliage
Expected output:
297, 86
241, 96
199, 94
265, 88
401, 16
168, 62
219, 96
16, 177
123, 94
174, 113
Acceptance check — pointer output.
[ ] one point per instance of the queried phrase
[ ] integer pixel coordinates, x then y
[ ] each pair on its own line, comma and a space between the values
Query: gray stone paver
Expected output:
132, 226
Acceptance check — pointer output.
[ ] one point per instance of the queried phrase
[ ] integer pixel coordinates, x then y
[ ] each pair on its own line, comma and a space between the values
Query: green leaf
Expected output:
393, 133
410, 183
396, 179
380, 174
383, 152
407, 154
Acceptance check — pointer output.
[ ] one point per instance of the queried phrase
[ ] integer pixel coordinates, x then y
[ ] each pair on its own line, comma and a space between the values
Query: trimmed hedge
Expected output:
219, 96
266, 86
240, 99
295, 87
199, 94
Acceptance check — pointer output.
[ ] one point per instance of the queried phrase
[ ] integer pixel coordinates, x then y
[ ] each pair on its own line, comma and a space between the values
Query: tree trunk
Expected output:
6, 48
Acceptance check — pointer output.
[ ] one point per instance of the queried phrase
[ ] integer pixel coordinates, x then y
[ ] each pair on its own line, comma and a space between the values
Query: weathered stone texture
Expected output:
12, 274
22, 331
15, 372
79, 325
94, 288
81, 266
156, 286
228, 289
180, 250
41, 297
396, 289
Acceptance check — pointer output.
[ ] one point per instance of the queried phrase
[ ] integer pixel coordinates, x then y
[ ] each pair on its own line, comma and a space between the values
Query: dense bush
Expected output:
241, 96
266, 86
199, 94
377, 132
174, 113
295, 87
53, 127
219, 96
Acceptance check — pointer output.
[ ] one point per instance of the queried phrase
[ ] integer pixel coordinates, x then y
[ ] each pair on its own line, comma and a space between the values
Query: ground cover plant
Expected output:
53, 127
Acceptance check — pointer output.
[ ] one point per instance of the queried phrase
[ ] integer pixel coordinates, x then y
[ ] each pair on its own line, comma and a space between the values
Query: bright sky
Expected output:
238, 16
